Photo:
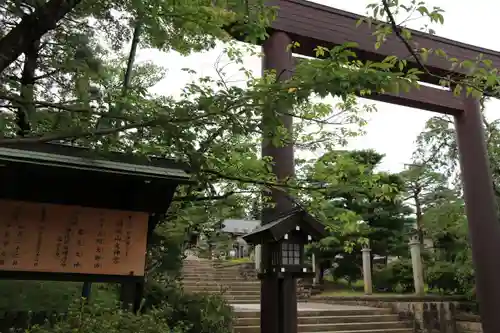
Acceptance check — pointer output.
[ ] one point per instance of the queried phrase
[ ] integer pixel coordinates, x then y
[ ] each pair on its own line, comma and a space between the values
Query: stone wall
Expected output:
467, 323
247, 270
428, 314
304, 288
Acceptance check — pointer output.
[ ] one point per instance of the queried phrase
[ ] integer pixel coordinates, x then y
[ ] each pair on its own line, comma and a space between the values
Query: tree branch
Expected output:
31, 28
210, 198
75, 134
397, 31
268, 184
415, 56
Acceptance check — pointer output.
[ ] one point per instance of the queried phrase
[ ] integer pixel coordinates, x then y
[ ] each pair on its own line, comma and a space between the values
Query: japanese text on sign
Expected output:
70, 239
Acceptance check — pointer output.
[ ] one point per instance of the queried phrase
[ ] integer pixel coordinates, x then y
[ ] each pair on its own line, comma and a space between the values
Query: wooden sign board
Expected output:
51, 238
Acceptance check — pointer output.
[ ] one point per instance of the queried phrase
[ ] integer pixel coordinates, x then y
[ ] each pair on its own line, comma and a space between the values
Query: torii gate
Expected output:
312, 25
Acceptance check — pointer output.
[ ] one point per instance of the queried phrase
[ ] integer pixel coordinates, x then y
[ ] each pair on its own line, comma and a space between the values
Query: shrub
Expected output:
48, 296
96, 318
200, 313
395, 277
383, 279
450, 278
348, 268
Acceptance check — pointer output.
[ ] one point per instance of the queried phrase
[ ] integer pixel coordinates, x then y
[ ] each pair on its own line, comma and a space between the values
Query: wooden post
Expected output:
86, 290
278, 303
482, 212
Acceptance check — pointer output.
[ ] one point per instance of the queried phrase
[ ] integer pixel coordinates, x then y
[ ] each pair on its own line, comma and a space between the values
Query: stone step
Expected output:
233, 292
223, 290
391, 330
210, 273
255, 293
211, 269
220, 280
205, 265
198, 266
198, 262
221, 283
206, 275
228, 294
198, 270
233, 286
248, 301
216, 281
241, 291
228, 283
240, 297
327, 319
324, 313
334, 327
235, 271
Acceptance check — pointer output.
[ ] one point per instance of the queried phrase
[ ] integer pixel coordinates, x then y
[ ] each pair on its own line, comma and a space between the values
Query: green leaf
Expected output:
457, 91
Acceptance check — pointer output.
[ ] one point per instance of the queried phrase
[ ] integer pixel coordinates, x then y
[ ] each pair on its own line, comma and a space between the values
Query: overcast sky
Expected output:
393, 129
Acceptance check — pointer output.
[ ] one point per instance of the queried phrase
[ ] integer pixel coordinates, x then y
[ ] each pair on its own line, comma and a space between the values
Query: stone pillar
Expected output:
258, 257
481, 209
367, 270
313, 263
416, 264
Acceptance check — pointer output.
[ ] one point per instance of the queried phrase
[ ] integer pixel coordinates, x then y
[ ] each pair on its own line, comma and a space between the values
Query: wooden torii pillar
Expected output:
278, 296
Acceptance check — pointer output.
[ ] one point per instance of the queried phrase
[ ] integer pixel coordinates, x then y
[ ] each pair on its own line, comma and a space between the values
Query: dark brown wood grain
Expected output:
313, 25
424, 98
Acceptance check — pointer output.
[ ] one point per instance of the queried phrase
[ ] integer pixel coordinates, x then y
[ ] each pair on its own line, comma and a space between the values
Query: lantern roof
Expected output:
278, 227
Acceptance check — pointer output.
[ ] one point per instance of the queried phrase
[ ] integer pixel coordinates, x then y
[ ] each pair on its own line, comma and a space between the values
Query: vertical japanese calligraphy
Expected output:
19, 233
99, 243
118, 241
128, 234
39, 237
70, 239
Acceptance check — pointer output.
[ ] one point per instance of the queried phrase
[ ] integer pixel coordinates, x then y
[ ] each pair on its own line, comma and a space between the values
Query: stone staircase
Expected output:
200, 276
330, 320
242, 290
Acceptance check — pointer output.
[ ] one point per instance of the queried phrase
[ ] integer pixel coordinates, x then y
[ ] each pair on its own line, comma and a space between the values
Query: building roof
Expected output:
64, 156
62, 174
240, 227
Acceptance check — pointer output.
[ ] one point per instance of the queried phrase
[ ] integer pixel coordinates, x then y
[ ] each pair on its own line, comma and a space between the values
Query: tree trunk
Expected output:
26, 110
31, 28
322, 267
318, 273
419, 214
127, 78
